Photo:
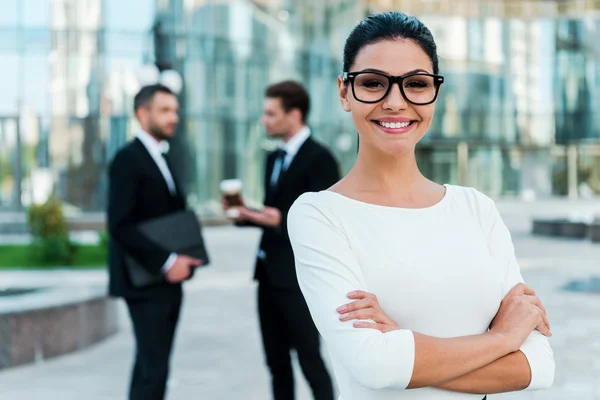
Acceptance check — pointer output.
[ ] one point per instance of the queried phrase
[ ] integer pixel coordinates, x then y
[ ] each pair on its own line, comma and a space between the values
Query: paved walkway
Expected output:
218, 354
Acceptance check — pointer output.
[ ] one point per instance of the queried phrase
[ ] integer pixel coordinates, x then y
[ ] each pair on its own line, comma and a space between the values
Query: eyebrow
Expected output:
414, 71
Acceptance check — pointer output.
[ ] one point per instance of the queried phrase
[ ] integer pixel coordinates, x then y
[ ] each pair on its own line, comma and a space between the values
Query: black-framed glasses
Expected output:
371, 87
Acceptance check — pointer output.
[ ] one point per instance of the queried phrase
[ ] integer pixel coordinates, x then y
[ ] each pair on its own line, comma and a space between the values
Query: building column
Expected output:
462, 150
572, 171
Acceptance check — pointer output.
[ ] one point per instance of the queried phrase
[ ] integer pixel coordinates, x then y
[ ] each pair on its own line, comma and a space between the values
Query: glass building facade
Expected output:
515, 116
67, 75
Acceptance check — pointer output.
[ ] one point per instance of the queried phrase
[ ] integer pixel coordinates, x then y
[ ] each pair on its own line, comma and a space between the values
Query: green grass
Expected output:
19, 257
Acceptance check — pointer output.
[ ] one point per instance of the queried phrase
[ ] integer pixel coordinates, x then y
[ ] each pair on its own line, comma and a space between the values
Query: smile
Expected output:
395, 127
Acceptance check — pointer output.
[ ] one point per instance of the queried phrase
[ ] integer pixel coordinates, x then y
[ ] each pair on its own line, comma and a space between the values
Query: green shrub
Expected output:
51, 243
103, 239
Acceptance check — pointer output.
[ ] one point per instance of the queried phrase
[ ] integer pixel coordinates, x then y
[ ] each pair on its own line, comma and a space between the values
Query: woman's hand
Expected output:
364, 307
520, 313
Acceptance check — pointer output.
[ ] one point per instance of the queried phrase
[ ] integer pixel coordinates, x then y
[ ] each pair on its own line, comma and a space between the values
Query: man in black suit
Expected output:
142, 187
300, 165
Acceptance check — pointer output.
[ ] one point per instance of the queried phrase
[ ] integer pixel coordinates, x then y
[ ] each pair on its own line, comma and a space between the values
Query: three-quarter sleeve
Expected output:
536, 347
327, 270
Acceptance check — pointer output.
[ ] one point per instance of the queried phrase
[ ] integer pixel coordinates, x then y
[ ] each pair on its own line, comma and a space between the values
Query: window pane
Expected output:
36, 70
9, 68
9, 14
138, 15
36, 13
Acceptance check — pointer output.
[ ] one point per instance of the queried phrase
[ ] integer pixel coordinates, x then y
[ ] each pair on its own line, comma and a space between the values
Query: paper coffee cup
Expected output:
233, 186
231, 190
232, 213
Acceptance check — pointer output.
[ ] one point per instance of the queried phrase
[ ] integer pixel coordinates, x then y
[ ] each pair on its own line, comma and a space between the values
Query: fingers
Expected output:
365, 300
191, 261
359, 294
176, 279
520, 289
365, 306
369, 325
355, 305
544, 327
367, 313
196, 261
536, 302
529, 295
360, 314
243, 212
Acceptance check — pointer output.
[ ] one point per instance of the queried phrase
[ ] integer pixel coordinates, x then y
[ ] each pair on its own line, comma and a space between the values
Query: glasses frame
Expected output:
437, 81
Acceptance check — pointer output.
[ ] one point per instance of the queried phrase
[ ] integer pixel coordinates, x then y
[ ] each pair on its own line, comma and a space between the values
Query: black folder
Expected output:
180, 233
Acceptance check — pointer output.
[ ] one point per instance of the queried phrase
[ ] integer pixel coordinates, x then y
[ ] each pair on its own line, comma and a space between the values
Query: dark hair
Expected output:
389, 26
292, 95
146, 94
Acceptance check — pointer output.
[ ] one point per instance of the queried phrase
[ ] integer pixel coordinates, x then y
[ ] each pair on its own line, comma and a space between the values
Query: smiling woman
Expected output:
438, 303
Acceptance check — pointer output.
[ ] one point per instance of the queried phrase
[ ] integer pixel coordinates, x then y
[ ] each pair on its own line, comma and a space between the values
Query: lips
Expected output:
397, 126
394, 125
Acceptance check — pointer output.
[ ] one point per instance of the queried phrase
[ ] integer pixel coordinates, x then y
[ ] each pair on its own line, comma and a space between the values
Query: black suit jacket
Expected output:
137, 192
312, 169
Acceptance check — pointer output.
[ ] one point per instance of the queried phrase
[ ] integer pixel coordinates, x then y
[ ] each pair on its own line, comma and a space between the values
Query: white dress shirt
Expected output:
291, 148
440, 271
155, 149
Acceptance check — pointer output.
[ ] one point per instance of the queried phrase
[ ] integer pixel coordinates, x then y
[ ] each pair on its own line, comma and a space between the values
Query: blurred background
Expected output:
515, 117
518, 118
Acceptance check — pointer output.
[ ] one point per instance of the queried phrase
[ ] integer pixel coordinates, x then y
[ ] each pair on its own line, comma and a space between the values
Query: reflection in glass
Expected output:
515, 90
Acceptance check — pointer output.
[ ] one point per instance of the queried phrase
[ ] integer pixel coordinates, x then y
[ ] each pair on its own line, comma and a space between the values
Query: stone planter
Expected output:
573, 230
548, 227
37, 329
594, 232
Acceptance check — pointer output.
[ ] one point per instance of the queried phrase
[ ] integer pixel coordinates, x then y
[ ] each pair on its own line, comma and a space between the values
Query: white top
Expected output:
440, 271
156, 150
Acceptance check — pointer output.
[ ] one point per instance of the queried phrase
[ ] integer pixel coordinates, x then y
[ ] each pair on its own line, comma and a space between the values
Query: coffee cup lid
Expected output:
231, 185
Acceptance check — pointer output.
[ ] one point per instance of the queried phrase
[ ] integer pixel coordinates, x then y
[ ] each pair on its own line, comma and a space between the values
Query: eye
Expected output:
373, 84
416, 84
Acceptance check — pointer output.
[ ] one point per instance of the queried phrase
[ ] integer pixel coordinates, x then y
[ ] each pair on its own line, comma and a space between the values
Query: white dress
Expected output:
440, 271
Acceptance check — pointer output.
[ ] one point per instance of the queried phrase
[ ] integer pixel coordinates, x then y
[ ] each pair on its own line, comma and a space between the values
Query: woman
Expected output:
452, 318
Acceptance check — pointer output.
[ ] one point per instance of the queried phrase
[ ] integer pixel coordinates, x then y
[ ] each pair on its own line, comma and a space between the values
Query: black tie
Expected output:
277, 167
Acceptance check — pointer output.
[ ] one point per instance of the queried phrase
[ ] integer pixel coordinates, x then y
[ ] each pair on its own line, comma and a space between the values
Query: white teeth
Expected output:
394, 125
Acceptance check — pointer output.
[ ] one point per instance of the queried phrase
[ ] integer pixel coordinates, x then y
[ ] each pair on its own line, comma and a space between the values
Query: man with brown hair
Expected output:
300, 165
142, 187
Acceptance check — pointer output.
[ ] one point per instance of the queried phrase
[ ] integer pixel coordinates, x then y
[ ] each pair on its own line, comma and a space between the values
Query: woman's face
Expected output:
397, 57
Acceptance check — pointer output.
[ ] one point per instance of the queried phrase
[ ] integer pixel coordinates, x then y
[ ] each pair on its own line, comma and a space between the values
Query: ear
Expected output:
296, 114
343, 92
140, 113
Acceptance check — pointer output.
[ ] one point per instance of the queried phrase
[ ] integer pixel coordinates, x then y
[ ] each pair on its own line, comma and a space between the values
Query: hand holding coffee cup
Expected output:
231, 191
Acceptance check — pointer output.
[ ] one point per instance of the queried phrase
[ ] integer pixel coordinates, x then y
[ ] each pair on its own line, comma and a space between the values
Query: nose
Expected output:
395, 101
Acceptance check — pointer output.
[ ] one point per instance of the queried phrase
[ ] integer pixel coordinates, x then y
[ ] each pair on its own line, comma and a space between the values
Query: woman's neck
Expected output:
388, 173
